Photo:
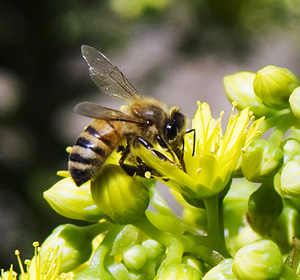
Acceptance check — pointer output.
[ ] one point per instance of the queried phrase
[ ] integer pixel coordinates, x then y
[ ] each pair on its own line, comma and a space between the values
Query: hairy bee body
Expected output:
92, 148
144, 119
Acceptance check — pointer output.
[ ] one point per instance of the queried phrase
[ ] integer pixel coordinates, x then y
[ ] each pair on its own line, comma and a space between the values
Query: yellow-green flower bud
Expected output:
245, 235
167, 223
75, 243
262, 160
194, 262
178, 271
274, 85
265, 206
260, 260
290, 179
239, 88
153, 248
119, 271
135, 257
294, 101
73, 202
121, 197
291, 147
223, 271
125, 239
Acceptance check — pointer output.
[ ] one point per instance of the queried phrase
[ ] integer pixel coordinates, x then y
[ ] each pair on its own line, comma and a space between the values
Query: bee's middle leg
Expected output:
137, 168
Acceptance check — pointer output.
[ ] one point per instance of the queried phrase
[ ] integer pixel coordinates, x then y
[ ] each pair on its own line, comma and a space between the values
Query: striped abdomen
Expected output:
92, 148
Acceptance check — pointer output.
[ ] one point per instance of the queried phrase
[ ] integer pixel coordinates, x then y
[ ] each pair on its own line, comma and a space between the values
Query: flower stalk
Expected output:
215, 225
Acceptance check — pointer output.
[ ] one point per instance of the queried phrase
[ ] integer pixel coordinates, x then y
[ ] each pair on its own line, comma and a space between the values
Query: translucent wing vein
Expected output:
108, 78
99, 112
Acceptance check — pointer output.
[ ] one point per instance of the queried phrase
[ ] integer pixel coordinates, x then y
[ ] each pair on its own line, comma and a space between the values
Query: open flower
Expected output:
35, 269
209, 156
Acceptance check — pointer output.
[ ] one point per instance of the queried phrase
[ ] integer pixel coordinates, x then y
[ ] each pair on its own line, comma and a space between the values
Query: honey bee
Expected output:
142, 120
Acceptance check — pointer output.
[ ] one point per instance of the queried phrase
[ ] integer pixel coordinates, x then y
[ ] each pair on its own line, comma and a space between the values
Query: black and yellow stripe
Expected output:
92, 148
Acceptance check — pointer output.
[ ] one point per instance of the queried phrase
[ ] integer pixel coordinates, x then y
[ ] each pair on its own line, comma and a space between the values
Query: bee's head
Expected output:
169, 124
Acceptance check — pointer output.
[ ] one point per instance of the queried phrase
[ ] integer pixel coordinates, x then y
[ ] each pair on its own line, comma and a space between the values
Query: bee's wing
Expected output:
108, 78
99, 112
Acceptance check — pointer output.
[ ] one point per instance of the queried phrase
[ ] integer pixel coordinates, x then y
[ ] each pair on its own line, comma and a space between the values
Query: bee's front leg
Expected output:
167, 148
194, 139
150, 147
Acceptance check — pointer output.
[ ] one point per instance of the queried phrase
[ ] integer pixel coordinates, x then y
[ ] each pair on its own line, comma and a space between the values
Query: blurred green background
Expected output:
177, 51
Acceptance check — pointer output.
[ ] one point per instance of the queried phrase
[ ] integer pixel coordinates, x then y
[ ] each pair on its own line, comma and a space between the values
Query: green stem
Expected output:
281, 128
221, 221
289, 274
207, 255
282, 122
215, 231
96, 268
97, 228
175, 246
293, 258
274, 120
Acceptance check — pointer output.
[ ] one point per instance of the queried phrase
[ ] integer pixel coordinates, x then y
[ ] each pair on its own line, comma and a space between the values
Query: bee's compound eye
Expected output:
170, 131
178, 120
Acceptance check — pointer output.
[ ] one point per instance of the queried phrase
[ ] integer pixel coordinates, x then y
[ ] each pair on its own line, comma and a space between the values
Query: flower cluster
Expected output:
239, 191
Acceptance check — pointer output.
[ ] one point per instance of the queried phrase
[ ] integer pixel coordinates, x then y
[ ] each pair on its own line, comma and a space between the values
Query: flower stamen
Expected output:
17, 253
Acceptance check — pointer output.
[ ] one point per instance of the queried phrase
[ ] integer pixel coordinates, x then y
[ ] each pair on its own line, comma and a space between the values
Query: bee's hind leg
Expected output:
137, 169
129, 169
